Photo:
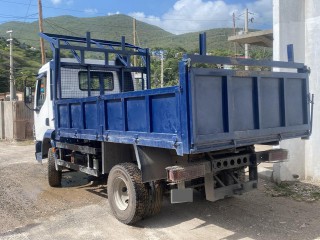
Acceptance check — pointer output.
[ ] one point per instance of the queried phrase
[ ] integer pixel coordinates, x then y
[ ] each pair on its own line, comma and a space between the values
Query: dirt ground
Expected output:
30, 209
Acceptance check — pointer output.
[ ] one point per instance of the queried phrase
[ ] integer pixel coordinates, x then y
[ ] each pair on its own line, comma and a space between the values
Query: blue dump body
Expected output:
211, 108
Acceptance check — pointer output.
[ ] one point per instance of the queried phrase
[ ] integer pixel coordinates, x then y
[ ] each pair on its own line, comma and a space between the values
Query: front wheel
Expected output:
127, 194
54, 176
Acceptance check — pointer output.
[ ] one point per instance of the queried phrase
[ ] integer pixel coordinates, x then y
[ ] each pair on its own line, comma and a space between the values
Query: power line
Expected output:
76, 34
25, 18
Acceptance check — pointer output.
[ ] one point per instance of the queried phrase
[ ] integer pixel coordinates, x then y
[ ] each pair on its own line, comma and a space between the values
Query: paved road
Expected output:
31, 210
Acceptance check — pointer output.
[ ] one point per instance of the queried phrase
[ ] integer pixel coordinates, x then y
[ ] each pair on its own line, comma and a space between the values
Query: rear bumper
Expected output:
210, 171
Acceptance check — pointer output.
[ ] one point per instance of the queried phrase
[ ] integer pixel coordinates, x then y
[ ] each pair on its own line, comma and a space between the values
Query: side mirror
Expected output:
27, 95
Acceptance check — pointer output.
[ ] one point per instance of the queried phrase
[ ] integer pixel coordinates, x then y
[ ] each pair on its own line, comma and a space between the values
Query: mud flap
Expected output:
182, 195
38, 151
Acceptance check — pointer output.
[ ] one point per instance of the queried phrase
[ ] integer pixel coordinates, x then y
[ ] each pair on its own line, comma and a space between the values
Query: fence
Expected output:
16, 121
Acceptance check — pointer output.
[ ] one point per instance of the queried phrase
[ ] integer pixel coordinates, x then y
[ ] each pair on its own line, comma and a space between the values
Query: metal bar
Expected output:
79, 168
234, 178
98, 126
114, 51
148, 113
78, 148
76, 56
58, 63
104, 67
311, 114
243, 62
89, 80
88, 38
122, 81
257, 103
125, 118
48, 38
106, 59
290, 53
148, 73
219, 181
52, 38
123, 43
184, 107
69, 115
253, 168
283, 102
118, 96
230, 106
55, 73
83, 123
203, 44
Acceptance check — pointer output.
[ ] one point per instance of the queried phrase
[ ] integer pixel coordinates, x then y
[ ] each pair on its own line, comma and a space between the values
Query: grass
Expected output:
299, 191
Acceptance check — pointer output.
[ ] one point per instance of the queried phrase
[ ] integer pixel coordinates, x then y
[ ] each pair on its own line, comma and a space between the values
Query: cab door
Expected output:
43, 106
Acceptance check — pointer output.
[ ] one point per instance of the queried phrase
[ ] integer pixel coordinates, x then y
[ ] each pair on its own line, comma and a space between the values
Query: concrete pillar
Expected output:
288, 28
9, 120
296, 22
2, 135
312, 60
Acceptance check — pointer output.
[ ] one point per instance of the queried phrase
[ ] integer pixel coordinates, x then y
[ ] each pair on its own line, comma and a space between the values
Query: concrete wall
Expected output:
16, 121
295, 22
312, 60
2, 133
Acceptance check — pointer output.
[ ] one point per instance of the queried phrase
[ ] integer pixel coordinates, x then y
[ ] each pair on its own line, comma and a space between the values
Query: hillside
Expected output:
112, 28
107, 27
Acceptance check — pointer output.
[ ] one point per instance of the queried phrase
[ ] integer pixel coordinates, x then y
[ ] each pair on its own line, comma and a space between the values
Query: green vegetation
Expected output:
26, 64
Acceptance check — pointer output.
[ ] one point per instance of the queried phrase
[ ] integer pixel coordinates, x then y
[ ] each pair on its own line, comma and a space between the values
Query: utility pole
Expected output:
234, 33
162, 70
134, 40
12, 85
246, 31
43, 54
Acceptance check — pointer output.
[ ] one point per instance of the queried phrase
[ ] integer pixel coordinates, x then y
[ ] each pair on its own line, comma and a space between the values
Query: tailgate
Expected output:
232, 108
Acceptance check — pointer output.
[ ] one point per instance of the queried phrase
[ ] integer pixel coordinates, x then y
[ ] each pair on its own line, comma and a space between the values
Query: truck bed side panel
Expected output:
148, 118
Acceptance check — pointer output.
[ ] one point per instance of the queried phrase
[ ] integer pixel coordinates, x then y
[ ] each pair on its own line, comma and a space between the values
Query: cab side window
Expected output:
41, 91
97, 78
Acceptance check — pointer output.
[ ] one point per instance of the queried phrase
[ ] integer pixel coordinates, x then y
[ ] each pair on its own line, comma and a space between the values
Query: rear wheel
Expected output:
54, 176
127, 194
155, 196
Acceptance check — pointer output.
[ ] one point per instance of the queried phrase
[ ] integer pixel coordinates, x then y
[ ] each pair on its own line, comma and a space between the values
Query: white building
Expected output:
297, 22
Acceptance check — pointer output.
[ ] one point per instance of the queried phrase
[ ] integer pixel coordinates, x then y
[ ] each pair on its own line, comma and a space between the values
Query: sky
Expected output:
175, 16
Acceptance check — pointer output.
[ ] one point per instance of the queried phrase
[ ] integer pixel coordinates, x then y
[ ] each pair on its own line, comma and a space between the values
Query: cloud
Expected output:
112, 13
91, 10
56, 2
196, 15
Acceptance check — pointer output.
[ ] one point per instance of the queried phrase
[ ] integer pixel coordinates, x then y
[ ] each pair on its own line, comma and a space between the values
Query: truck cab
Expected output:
74, 84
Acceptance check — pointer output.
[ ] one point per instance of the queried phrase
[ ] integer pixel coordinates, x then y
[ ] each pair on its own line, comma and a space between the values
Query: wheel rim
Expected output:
120, 193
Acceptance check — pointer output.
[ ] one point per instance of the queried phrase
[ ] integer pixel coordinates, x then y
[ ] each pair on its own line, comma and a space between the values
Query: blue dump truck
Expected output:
96, 113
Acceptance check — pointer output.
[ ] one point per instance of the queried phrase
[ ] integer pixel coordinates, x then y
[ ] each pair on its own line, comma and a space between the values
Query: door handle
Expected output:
47, 122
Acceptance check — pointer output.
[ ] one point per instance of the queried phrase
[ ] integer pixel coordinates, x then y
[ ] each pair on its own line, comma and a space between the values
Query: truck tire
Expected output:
54, 176
155, 196
127, 194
